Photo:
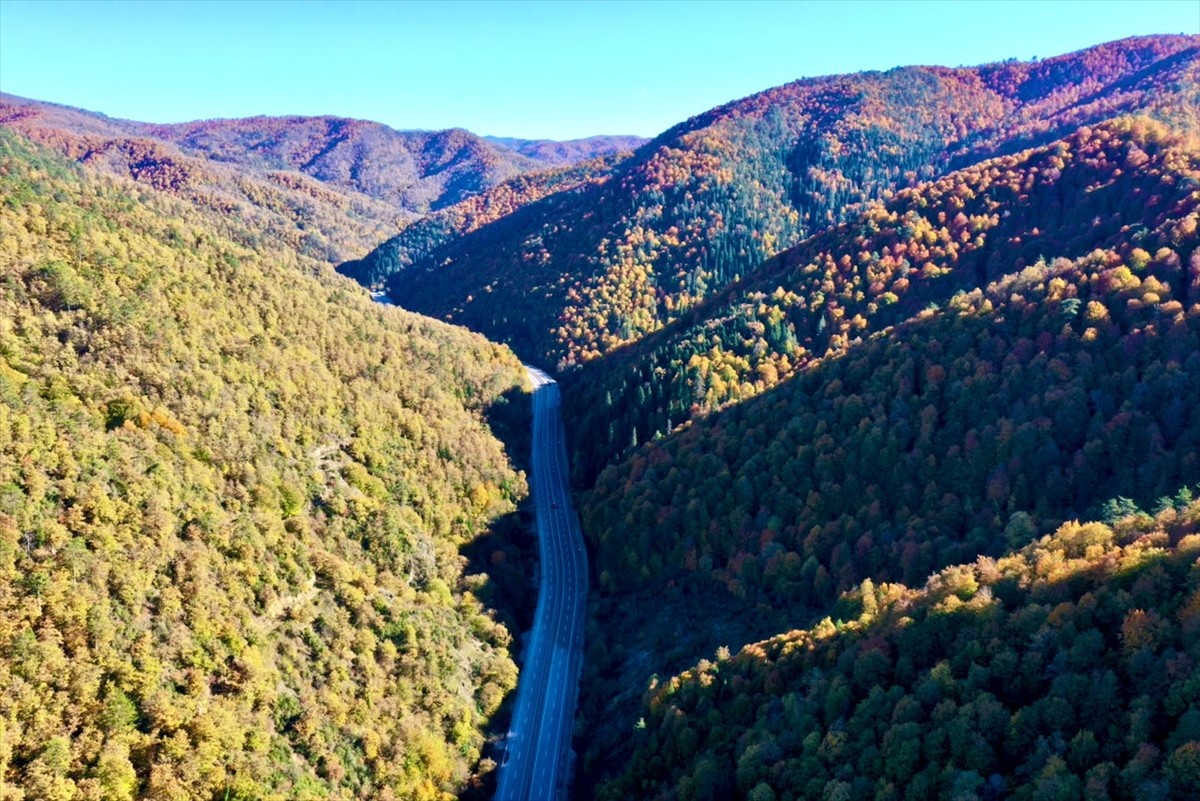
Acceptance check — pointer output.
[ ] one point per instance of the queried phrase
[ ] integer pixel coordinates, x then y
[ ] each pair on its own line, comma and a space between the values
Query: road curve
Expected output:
535, 765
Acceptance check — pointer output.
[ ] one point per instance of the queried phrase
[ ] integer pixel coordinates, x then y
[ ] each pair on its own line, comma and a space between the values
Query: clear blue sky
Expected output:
530, 69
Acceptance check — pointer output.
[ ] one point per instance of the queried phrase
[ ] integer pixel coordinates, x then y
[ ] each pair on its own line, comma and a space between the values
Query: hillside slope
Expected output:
1026, 394
233, 494
283, 206
1114, 185
1068, 669
709, 200
428, 235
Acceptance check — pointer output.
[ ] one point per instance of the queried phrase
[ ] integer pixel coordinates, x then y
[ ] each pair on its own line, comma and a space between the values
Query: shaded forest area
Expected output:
1066, 669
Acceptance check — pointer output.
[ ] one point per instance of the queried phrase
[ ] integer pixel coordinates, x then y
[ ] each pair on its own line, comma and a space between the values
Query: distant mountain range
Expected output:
572, 151
341, 185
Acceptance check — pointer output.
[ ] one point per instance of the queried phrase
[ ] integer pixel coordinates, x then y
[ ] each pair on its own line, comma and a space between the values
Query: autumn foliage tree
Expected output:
233, 494
589, 270
1067, 669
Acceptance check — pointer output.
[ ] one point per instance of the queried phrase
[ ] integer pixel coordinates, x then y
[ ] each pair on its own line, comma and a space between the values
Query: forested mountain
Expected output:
233, 497
1028, 391
708, 201
414, 170
571, 151
1068, 669
331, 187
427, 235
1128, 184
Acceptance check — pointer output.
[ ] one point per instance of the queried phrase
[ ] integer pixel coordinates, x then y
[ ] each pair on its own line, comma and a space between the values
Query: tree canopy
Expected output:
233, 495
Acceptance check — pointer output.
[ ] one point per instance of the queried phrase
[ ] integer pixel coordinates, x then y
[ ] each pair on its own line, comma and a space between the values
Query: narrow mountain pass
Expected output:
536, 762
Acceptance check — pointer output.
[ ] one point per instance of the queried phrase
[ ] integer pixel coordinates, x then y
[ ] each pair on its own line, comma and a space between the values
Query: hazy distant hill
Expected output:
413, 170
586, 271
571, 151
332, 187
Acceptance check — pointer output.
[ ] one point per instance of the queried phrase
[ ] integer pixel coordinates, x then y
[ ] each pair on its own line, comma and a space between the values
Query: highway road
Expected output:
536, 762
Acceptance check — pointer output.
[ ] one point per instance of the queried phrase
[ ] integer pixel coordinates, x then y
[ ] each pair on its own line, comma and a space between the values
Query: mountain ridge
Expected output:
338, 185
713, 197
1009, 404
570, 151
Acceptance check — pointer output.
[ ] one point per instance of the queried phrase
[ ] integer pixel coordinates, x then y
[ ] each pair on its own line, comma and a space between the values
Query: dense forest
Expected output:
235, 497
582, 273
1067, 669
1012, 406
1049, 349
1127, 185
330, 187
425, 236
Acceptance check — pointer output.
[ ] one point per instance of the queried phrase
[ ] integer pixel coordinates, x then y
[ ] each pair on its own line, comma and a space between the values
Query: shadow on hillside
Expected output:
501, 568
996, 642
510, 418
648, 624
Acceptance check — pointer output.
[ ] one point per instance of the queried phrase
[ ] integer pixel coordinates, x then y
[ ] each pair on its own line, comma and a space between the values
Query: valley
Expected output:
865, 465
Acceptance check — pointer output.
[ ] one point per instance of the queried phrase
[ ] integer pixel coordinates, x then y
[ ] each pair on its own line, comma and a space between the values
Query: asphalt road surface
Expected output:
536, 762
